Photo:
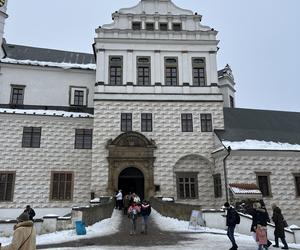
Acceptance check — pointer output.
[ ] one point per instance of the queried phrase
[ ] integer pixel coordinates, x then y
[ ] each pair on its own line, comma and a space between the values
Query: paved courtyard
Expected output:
155, 239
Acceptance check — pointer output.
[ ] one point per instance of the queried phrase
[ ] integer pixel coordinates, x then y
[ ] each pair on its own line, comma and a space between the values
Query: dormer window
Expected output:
150, 26
136, 25
163, 26
177, 27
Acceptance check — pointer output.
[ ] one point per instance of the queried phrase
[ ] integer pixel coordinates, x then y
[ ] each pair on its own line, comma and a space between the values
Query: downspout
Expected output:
225, 171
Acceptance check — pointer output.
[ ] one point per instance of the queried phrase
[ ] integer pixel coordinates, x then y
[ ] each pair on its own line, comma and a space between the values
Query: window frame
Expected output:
118, 79
19, 87
148, 24
199, 66
13, 182
171, 66
297, 184
86, 138
163, 24
71, 186
72, 91
144, 65
267, 175
217, 185
135, 27
189, 175
127, 118
148, 122
187, 122
177, 26
205, 126
33, 136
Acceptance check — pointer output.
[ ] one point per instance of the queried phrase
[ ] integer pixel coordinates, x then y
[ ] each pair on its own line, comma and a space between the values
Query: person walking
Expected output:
232, 218
145, 212
30, 212
133, 212
279, 227
126, 202
261, 237
24, 236
119, 198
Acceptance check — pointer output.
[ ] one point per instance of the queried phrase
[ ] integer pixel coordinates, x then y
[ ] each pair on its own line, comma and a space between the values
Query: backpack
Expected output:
237, 217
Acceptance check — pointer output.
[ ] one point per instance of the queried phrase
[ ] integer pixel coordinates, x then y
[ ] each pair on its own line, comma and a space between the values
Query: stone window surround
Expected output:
187, 122
297, 177
72, 95
217, 185
85, 134
35, 133
267, 174
197, 65
127, 118
13, 185
15, 86
187, 175
173, 65
143, 64
51, 185
148, 122
211, 120
115, 64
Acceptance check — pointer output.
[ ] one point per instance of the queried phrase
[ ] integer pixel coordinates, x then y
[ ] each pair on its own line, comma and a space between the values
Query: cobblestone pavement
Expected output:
155, 239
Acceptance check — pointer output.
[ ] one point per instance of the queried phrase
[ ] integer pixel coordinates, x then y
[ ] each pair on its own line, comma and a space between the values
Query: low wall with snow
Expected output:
216, 219
92, 214
172, 209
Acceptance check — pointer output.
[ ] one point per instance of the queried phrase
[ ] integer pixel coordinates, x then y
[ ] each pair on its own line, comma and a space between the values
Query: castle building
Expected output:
148, 112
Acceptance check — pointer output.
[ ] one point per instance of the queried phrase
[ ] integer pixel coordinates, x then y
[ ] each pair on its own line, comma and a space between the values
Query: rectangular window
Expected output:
150, 26
171, 71
217, 185
146, 122
116, 70
199, 78
187, 122
263, 181
297, 184
177, 26
136, 25
17, 94
7, 182
143, 71
31, 137
83, 138
62, 186
231, 102
187, 185
78, 97
126, 122
163, 26
206, 122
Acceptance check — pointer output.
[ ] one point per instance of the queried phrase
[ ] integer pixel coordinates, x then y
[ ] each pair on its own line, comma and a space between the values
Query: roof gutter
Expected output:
225, 171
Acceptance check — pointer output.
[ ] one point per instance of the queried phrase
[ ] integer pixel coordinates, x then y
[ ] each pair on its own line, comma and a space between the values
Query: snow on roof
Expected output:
244, 188
45, 112
63, 65
261, 145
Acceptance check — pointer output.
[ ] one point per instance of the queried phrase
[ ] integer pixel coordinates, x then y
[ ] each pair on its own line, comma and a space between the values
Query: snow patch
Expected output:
50, 64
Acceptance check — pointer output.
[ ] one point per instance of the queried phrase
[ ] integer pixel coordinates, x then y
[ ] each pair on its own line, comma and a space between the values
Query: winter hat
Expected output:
23, 217
226, 204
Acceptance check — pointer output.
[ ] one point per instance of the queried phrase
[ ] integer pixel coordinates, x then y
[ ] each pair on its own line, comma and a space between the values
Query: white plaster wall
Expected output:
44, 85
172, 144
243, 165
33, 166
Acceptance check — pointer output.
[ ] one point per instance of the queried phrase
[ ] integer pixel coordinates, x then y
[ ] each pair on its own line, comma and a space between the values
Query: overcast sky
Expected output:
258, 38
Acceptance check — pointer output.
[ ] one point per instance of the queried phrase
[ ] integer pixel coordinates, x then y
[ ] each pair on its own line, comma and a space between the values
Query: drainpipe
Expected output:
225, 171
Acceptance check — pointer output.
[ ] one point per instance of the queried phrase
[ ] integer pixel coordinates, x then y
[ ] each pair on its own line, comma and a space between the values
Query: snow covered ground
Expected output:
200, 238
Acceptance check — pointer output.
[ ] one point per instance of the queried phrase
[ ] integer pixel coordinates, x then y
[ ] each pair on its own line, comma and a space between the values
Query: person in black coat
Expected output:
279, 227
145, 212
231, 221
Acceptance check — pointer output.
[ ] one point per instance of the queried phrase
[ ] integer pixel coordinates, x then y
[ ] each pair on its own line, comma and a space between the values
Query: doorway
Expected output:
132, 180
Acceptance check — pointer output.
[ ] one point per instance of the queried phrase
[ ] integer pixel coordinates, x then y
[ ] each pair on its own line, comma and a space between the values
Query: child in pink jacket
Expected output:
261, 236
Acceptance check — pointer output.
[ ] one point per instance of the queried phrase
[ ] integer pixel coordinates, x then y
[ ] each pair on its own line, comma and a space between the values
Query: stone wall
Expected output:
173, 210
172, 143
33, 166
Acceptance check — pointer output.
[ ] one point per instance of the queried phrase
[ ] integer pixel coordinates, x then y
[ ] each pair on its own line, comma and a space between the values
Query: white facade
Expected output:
166, 154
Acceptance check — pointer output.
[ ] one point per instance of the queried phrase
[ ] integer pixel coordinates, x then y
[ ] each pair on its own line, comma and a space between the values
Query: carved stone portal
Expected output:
131, 150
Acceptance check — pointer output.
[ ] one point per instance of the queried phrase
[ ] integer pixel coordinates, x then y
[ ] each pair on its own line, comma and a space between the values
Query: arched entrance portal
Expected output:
131, 164
132, 180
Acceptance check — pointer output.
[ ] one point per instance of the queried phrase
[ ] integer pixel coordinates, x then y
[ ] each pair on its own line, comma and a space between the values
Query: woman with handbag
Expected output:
280, 224
24, 237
